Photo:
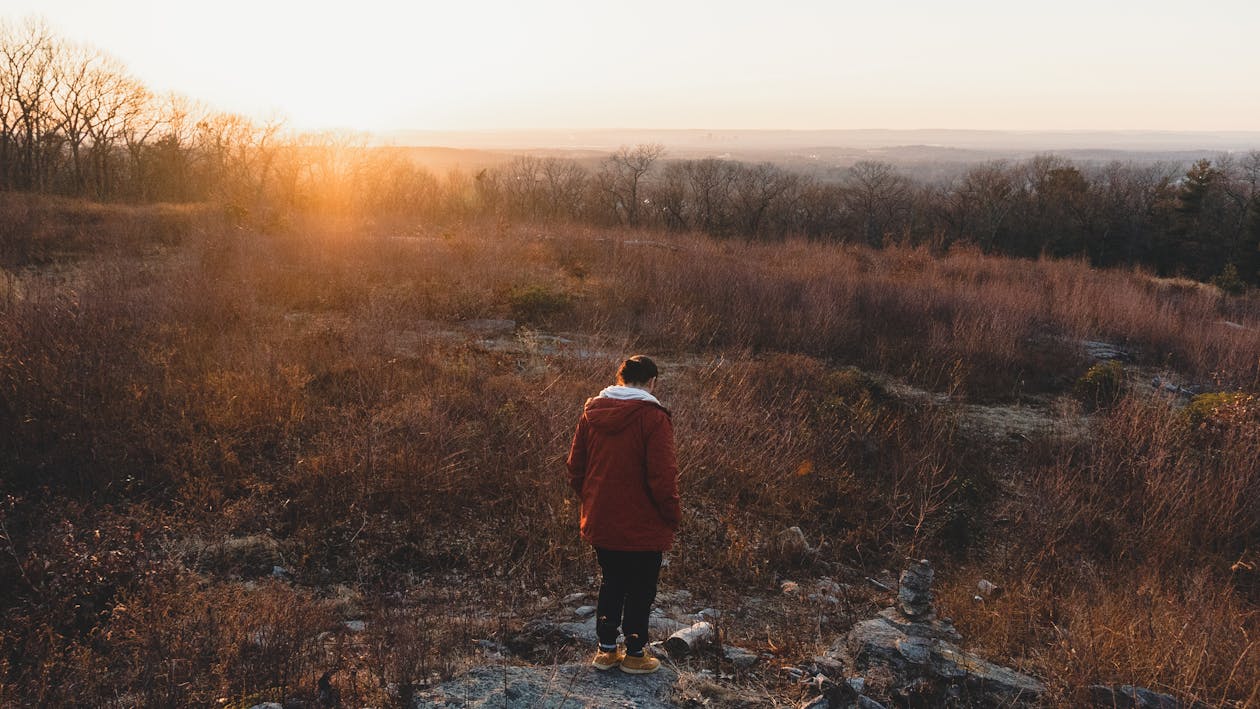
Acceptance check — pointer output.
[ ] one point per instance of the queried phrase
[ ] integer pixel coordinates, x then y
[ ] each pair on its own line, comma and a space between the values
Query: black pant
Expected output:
627, 588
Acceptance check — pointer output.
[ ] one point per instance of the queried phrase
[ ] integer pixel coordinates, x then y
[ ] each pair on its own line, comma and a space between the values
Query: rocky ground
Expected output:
903, 656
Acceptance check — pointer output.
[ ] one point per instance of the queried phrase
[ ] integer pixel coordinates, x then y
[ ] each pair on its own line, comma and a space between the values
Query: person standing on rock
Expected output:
623, 468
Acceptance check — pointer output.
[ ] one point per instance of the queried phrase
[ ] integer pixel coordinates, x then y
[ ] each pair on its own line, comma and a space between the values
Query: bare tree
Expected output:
878, 197
986, 196
73, 105
671, 197
710, 182
759, 191
28, 52
623, 174
564, 184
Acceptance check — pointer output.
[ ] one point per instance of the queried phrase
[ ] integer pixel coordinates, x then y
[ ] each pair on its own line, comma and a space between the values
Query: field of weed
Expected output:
221, 443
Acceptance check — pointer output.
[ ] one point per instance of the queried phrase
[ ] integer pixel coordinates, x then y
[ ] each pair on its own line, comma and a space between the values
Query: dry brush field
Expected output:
221, 442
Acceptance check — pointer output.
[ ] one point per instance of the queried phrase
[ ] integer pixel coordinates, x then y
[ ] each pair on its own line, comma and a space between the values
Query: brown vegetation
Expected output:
317, 391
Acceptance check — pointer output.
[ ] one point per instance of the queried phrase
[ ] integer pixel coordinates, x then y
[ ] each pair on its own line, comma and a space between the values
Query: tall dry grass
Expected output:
306, 386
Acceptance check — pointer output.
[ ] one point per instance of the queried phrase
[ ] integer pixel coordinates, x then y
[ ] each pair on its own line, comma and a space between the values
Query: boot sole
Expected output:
598, 666
638, 671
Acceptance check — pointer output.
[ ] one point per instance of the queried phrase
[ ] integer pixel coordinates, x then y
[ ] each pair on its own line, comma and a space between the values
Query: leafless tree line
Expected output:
74, 121
1197, 222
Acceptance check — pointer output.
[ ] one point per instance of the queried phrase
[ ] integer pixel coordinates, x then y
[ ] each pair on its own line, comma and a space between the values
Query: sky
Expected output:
379, 65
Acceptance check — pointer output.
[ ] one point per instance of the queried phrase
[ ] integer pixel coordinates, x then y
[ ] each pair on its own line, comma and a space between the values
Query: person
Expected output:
623, 468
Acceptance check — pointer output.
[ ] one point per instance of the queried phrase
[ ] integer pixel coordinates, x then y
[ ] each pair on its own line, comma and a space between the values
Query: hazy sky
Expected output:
463, 64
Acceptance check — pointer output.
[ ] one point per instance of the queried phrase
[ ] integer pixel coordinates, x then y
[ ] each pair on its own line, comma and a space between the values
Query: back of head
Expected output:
639, 369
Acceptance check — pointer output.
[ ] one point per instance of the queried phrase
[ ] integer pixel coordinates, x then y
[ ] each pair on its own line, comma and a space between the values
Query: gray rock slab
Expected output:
583, 632
739, 657
569, 686
925, 627
489, 327
664, 627
1126, 696
879, 641
1106, 351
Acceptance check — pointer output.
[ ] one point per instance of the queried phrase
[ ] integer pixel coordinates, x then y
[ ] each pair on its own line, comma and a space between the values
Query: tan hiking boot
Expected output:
644, 665
608, 659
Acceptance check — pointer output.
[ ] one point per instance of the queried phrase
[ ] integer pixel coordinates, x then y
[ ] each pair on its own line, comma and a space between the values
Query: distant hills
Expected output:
928, 154
720, 141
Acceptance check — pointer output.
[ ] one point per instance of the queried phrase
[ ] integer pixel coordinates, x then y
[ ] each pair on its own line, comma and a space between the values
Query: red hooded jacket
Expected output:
622, 466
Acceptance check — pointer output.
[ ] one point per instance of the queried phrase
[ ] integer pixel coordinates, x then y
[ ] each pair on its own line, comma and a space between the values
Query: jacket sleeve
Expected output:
662, 471
578, 456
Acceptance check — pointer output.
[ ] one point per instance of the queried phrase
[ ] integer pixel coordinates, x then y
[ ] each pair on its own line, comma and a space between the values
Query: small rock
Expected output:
268, 705
1126, 696
574, 598
829, 666
584, 611
865, 702
915, 591
490, 647
279, 572
687, 640
708, 614
857, 684
739, 657
354, 626
828, 587
791, 543
668, 598
988, 588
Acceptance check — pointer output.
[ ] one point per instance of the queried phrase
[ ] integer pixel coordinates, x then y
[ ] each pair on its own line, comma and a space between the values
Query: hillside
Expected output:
243, 457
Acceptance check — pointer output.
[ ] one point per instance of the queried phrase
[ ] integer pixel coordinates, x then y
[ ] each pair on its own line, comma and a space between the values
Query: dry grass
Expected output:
315, 386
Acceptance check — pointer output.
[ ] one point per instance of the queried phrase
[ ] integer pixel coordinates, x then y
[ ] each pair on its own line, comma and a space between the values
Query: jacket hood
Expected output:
612, 415
618, 391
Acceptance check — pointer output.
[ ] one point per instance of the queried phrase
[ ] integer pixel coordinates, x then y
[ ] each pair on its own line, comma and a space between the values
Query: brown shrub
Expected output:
314, 385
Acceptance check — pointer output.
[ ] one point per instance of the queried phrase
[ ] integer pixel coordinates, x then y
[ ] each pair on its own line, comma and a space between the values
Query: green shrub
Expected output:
1218, 407
537, 302
1102, 385
1228, 280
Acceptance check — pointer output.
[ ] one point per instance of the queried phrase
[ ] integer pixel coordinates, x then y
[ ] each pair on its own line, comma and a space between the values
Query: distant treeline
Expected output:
74, 122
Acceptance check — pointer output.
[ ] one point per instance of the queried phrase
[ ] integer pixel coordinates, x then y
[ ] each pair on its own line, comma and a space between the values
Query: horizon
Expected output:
563, 66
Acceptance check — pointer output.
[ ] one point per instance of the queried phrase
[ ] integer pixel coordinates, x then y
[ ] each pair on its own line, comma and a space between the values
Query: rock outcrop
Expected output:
919, 650
573, 686
1126, 696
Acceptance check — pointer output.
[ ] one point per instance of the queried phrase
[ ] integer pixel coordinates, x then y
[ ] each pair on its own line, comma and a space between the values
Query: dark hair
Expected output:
639, 369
